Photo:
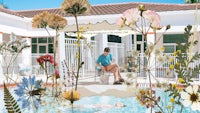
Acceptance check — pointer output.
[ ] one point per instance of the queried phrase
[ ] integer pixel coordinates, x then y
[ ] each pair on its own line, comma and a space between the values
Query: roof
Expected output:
110, 9
10, 12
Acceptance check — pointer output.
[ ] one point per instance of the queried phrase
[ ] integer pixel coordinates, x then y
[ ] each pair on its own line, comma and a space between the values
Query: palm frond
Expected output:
10, 103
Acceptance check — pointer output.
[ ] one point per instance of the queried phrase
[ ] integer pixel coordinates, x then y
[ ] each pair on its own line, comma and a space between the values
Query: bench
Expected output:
103, 75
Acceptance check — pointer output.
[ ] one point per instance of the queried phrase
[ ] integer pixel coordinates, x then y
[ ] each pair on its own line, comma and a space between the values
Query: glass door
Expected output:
141, 46
42, 48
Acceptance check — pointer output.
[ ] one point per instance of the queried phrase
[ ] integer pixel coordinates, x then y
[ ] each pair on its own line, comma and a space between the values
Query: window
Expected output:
92, 38
139, 43
133, 39
42, 40
169, 48
114, 38
50, 40
50, 48
34, 48
42, 44
139, 37
174, 38
42, 49
34, 40
170, 40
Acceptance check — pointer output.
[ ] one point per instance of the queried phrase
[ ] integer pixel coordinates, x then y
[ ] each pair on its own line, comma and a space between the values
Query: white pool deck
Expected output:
93, 87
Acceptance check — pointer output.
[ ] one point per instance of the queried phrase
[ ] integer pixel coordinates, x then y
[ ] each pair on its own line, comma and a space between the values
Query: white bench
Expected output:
103, 75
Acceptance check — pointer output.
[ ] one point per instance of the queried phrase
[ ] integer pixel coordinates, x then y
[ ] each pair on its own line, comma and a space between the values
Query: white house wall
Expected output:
93, 19
102, 24
23, 26
11, 22
179, 20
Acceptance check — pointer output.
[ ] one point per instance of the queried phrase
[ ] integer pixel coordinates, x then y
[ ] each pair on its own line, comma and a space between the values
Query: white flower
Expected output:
191, 97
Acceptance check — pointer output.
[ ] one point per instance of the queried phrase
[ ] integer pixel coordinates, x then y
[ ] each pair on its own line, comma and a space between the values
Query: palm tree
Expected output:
196, 17
191, 1
3, 5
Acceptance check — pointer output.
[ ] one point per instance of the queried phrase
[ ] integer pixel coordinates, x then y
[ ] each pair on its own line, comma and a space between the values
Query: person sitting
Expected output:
105, 60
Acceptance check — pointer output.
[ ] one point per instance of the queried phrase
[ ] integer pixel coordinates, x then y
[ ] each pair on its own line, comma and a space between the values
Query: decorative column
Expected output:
61, 52
102, 42
135, 41
88, 54
127, 41
26, 56
1, 69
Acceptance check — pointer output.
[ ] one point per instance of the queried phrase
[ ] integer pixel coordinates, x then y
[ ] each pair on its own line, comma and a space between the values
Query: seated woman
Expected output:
105, 60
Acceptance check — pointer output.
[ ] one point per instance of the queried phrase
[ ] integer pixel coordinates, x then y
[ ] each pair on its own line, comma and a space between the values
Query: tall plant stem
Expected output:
148, 70
55, 61
77, 28
12, 60
149, 75
45, 69
54, 54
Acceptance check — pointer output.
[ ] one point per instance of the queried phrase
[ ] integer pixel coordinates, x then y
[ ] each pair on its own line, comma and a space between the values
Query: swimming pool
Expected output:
132, 105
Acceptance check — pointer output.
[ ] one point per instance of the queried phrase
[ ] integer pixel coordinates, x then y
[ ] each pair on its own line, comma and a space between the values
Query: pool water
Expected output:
131, 105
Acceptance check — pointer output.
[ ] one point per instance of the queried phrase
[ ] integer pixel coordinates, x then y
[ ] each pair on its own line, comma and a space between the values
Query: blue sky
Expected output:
41, 4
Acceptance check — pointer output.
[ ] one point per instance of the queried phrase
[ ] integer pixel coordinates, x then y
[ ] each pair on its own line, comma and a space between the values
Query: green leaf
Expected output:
10, 103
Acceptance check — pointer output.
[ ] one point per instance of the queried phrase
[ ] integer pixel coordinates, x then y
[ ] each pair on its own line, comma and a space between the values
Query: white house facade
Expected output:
102, 30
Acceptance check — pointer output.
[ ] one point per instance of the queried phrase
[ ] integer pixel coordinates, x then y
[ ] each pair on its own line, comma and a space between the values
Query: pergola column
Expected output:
128, 46
61, 52
102, 42
88, 54
1, 69
26, 55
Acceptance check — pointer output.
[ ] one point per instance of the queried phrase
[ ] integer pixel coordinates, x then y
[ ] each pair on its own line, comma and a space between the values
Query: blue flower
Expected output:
29, 92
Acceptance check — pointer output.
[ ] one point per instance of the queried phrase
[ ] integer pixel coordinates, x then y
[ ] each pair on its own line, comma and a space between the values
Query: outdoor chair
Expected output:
103, 75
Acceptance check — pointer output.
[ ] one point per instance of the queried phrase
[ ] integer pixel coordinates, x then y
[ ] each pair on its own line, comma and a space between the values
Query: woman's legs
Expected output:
114, 68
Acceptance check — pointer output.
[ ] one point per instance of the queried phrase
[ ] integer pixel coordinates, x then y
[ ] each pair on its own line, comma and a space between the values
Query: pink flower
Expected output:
120, 22
131, 16
57, 74
46, 58
153, 18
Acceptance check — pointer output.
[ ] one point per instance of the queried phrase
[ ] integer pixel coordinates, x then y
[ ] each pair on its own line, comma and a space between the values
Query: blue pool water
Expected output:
132, 105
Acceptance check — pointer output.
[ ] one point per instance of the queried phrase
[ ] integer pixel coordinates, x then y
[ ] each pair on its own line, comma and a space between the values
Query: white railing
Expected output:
36, 68
89, 56
22, 64
117, 50
160, 69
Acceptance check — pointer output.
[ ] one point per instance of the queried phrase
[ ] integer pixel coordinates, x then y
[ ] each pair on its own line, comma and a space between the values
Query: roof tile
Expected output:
10, 12
110, 9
